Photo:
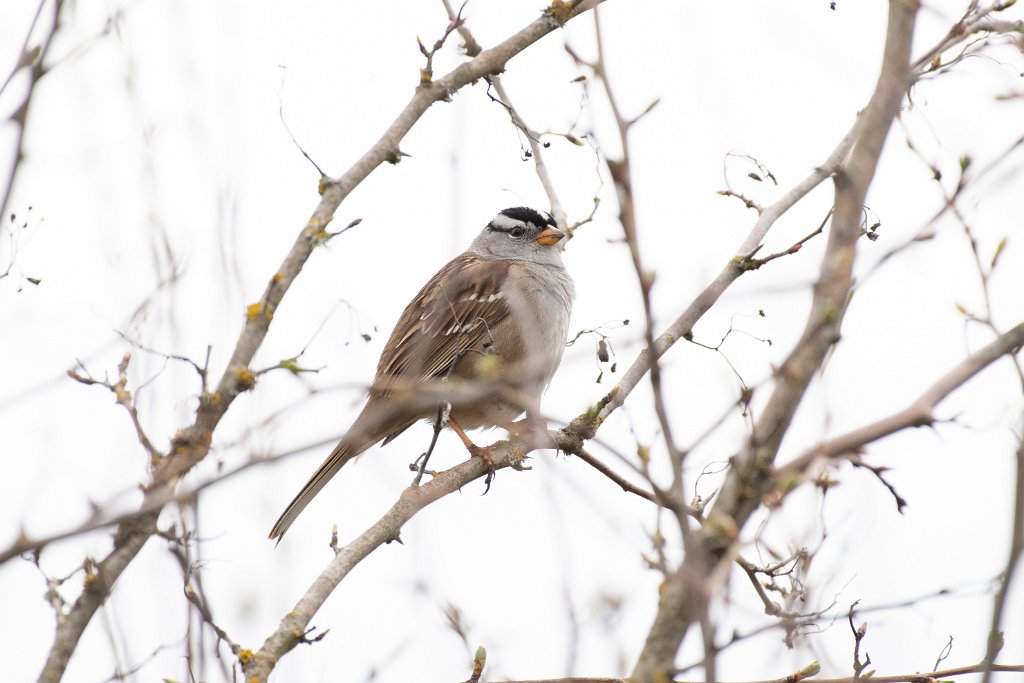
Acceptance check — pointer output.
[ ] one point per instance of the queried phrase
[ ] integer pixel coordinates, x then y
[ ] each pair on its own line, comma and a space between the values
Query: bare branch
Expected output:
1016, 551
621, 173
34, 60
125, 399
611, 474
681, 599
918, 414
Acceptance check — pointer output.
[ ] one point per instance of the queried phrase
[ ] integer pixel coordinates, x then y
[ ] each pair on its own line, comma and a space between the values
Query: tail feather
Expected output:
374, 423
341, 454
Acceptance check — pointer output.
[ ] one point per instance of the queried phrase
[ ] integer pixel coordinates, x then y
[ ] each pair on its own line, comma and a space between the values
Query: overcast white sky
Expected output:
163, 140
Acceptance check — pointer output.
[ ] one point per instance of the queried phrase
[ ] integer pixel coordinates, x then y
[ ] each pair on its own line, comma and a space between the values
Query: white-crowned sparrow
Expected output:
484, 336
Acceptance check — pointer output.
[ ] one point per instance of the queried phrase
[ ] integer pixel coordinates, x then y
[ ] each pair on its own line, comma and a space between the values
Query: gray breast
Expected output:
542, 304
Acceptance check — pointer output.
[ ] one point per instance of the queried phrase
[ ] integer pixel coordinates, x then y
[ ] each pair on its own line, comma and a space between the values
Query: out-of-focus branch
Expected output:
621, 172
128, 541
995, 636
926, 232
685, 590
191, 444
33, 59
976, 19
124, 398
426, 395
807, 674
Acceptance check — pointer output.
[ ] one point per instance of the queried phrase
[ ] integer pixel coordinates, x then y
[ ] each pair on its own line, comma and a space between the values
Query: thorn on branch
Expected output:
306, 640
879, 471
395, 157
348, 227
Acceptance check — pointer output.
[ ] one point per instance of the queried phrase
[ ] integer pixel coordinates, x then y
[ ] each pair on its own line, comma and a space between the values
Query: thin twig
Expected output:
35, 61
611, 474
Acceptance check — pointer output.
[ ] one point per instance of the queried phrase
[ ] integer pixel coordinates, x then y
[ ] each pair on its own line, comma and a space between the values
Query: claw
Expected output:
485, 455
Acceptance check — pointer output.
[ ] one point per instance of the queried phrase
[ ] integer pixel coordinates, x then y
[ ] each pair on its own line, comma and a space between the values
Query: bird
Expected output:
482, 339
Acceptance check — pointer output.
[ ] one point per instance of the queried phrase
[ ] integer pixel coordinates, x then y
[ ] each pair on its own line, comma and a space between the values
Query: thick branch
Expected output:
685, 590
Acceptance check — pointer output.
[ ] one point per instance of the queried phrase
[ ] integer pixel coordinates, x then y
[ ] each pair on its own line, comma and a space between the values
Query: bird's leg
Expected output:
474, 450
470, 446
420, 464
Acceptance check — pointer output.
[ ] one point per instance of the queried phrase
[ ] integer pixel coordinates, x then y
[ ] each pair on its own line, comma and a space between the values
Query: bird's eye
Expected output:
517, 232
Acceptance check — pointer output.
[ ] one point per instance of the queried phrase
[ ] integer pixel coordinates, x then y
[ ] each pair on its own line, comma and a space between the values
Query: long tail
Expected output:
376, 421
342, 453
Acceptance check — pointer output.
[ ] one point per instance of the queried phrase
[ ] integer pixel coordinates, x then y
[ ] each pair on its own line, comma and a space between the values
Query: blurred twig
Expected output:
33, 61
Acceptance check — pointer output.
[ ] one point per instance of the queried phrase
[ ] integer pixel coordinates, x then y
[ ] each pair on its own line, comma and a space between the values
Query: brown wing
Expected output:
453, 312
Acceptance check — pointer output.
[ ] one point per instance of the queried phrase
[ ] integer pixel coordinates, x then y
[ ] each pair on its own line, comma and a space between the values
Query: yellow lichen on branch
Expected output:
561, 11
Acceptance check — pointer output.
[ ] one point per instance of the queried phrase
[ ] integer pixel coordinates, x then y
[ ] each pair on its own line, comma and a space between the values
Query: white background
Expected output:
158, 147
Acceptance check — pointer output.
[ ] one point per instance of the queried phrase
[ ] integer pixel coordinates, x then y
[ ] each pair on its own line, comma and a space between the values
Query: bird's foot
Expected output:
485, 455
